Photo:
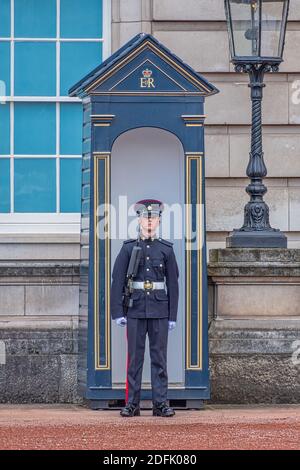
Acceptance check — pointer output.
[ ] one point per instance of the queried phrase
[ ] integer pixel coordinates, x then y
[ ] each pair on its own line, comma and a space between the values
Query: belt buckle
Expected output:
148, 285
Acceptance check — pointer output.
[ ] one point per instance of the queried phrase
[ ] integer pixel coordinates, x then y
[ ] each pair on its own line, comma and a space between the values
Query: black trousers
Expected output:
157, 329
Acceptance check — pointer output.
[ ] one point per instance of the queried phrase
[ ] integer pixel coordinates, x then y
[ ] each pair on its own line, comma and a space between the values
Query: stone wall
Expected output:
38, 332
196, 31
255, 325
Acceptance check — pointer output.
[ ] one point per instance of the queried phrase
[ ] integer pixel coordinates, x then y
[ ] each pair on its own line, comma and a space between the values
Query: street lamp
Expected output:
256, 35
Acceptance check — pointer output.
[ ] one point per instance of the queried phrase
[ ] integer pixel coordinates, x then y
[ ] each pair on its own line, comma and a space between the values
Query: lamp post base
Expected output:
256, 239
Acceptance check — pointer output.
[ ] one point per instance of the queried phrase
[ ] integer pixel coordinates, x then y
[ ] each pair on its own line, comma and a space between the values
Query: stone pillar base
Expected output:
255, 325
263, 239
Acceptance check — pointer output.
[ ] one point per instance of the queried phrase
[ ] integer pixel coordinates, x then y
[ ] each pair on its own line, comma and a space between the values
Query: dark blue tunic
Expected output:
158, 263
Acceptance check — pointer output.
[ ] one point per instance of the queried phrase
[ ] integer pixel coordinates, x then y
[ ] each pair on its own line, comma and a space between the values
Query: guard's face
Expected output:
149, 223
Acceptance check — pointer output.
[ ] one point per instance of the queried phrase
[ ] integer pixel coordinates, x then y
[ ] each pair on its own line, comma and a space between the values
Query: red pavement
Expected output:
73, 427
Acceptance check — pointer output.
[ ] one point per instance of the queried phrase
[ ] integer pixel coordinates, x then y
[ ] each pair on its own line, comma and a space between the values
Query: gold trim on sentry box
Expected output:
140, 65
106, 178
189, 365
145, 45
102, 120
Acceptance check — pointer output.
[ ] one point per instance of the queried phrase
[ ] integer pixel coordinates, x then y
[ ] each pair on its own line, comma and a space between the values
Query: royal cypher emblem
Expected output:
147, 81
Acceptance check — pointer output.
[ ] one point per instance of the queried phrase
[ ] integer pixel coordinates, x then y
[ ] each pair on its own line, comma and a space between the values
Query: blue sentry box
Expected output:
141, 85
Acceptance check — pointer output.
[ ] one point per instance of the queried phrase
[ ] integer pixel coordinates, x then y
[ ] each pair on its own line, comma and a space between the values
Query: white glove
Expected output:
172, 325
122, 321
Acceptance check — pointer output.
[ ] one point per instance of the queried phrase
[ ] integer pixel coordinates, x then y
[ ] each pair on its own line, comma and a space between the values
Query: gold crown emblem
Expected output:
147, 73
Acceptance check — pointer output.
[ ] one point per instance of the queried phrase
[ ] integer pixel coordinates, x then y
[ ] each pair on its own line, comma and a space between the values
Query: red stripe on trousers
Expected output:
127, 364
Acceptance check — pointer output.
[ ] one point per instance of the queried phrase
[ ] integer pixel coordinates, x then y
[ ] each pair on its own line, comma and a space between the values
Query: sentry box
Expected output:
143, 136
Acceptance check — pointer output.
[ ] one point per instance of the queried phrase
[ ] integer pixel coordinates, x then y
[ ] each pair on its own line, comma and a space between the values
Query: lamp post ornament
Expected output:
258, 51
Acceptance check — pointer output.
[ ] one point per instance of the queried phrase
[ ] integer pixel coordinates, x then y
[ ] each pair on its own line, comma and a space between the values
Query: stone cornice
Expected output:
39, 269
253, 262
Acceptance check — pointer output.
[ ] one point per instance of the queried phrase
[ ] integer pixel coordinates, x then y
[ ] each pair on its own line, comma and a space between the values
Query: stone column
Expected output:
128, 19
255, 325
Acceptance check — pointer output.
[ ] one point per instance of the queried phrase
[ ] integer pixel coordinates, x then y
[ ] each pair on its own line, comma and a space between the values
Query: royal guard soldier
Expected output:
144, 296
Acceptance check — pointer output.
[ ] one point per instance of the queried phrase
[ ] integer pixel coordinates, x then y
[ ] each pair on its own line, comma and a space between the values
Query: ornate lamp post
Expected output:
256, 35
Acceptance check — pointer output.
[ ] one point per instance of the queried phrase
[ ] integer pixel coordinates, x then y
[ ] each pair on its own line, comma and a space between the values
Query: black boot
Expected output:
130, 410
162, 409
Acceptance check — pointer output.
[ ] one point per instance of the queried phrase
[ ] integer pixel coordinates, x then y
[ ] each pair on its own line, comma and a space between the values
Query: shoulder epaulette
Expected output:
165, 242
130, 240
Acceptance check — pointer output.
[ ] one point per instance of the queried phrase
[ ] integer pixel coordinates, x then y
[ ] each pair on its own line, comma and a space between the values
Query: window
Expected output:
35, 68
5, 65
5, 18
72, 12
35, 128
4, 129
4, 185
70, 129
45, 47
34, 183
68, 186
35, 18
77, 58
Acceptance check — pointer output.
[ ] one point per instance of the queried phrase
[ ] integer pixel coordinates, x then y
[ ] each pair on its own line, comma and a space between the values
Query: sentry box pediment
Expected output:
143, 136
142, 66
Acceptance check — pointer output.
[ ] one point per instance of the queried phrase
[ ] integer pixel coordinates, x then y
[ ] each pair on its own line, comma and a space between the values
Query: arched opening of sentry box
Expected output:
150, 162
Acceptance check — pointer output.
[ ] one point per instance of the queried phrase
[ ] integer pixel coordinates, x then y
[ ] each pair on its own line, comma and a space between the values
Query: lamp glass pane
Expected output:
271, 24
245, 27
